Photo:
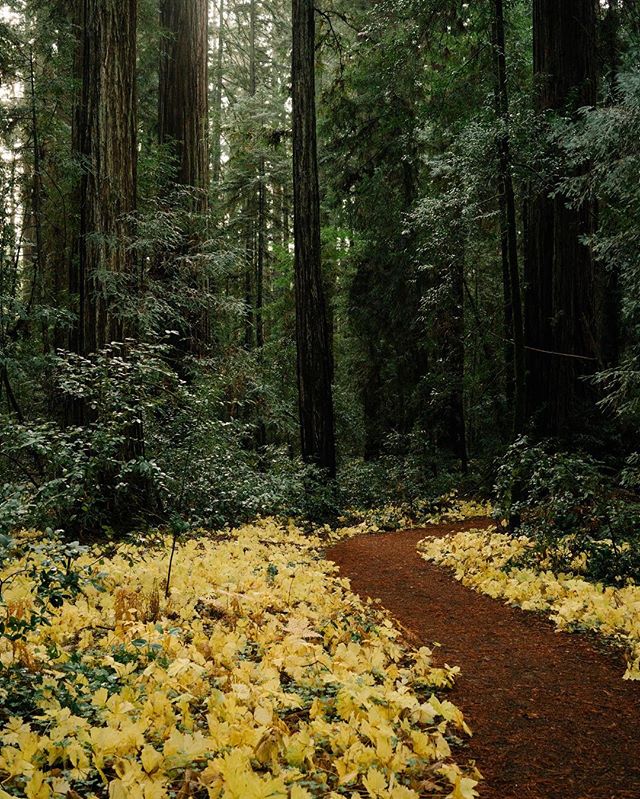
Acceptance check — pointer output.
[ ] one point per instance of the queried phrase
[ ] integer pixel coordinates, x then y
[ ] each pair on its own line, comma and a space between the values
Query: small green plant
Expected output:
52, 573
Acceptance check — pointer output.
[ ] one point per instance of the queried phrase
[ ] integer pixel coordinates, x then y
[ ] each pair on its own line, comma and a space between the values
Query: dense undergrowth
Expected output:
575, 508
511, 568
156, 446
254, 673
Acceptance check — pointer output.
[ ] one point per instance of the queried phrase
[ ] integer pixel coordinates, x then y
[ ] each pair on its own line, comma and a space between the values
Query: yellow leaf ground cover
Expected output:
445, 510
484, 560
260, 676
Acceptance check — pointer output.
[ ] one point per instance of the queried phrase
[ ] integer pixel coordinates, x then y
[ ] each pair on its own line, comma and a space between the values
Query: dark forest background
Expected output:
446, 298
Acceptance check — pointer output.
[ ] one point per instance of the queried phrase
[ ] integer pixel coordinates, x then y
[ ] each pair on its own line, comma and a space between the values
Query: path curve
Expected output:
551, 716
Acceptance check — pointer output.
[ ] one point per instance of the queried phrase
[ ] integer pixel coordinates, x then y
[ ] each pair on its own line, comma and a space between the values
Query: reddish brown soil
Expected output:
551, 715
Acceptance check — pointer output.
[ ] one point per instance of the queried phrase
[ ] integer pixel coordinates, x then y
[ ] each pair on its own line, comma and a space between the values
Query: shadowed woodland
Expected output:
292, 272
247, 245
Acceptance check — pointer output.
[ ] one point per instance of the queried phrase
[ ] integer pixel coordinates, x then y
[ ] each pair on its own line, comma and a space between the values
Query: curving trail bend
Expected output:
551, 716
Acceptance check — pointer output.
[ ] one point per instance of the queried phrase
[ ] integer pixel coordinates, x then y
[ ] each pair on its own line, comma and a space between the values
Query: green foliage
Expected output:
49, 564
575, 510
96, 475
195, 416
408, 472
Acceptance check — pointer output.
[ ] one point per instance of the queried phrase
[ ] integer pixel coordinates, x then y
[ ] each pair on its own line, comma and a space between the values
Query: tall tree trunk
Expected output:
183, 96
183, 124
217, 110
315, 367
284, 210
105, 140
249, 277
260, 254
251, 204
559, 270
508, 226
456, 358
36, 194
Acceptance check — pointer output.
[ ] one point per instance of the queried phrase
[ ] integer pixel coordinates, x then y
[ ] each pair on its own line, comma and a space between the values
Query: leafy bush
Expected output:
98, 474
408, 472
577, 513
151, 446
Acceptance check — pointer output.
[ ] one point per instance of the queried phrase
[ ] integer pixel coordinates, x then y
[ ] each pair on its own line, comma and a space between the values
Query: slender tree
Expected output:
514, 327
453, 354
315, 367
250, 277
559, 270
104, 139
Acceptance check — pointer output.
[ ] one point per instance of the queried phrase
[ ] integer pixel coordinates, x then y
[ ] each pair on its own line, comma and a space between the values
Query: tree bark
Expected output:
183, 97
217, 117
183, 125
261, 224
514, 326
559, 270
314, 361
251, 289
104, 138
455, 356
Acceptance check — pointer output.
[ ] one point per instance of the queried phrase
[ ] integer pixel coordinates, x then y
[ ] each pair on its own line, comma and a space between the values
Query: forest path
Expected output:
552, 717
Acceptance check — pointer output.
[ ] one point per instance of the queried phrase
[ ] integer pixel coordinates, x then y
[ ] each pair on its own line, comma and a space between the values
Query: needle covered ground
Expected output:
491, 562
261, 675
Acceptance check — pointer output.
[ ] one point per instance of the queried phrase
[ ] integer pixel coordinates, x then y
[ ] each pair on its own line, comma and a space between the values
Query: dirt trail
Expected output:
551, 716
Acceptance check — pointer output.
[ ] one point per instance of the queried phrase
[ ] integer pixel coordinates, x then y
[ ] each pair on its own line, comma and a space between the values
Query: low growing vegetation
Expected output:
511, 568
229, 682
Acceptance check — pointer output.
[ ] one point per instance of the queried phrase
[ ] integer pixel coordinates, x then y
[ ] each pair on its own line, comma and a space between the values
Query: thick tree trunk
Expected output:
559, 271
183, 97
105, 141
183, 125
514, 326
315, 367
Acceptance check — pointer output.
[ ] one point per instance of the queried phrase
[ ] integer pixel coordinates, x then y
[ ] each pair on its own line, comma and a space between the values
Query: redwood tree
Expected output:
514, 329
183, 95
183, 122
559, 269
104, 139
315, 368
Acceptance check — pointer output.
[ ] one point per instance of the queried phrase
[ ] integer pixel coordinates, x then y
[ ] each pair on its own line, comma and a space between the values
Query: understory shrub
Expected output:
151, 446
407, 472
579, 514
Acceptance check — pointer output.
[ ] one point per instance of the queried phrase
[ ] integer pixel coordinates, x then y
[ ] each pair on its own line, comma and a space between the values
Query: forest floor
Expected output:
551, 716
